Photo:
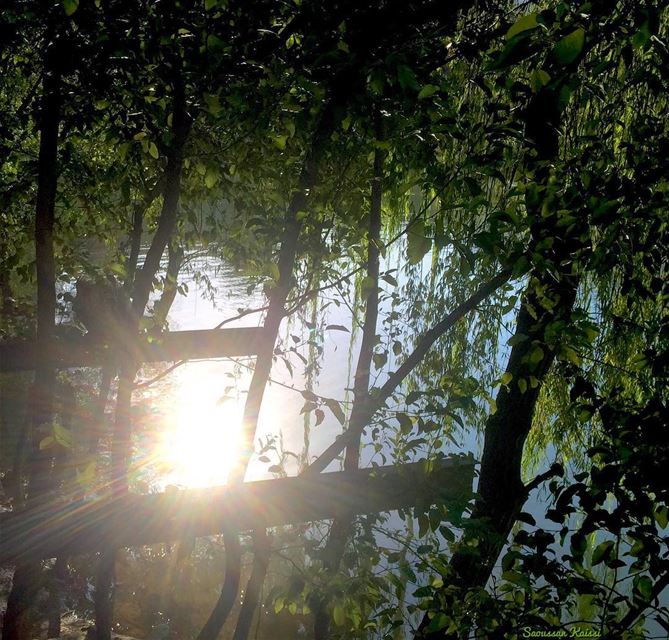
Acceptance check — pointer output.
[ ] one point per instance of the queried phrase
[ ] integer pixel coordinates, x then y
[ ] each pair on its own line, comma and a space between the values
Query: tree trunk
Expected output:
26, 576
181, 125
162, 306
228, 596
265, 353
501, 492
262, 551
342, 526
548, 299
122, 438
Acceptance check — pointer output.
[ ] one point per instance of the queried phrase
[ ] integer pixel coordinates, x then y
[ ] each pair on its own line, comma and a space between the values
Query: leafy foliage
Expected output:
525, 140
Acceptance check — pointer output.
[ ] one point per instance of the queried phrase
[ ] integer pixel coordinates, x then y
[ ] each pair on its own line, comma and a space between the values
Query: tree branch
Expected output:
395, 379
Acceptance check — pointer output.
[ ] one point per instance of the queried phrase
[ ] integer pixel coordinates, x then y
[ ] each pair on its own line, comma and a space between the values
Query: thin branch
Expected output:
395, 379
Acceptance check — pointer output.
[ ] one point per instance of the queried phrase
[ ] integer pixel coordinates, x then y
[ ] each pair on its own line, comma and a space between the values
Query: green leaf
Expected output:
389, 279
377, 81
439, 621
214, 43
47, 442
153, 150
70, 6
642, 37
602, 552
417, 244
507, 377
86, 477
338, 615
213, 103
380, 359
536, 355
210, 4
522, 385
423, 525
406, 425
63, 436
210, 177
524, 23
569, 48
280, 142
538, 79
274, 271
355, 617
118, 268
427, 91
279, 604
407, 78
662, 516
643, 585
569, 354
519, 579
335, 407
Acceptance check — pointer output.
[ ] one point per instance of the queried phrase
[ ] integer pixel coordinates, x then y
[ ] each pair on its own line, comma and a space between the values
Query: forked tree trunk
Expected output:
108, 371
122, 437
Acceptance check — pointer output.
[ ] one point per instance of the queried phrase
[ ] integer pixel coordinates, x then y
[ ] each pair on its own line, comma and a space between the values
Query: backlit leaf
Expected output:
602, 552
569, 48
70, 6
335, 407
338, 615
524, 23
417, 244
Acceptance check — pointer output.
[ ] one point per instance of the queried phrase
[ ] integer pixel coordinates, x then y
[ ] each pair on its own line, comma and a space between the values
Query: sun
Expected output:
199, 443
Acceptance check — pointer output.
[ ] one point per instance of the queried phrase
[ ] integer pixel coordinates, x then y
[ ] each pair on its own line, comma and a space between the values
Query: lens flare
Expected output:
200, 439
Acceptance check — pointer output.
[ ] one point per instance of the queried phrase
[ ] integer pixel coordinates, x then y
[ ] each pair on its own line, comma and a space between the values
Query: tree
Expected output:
483, 188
